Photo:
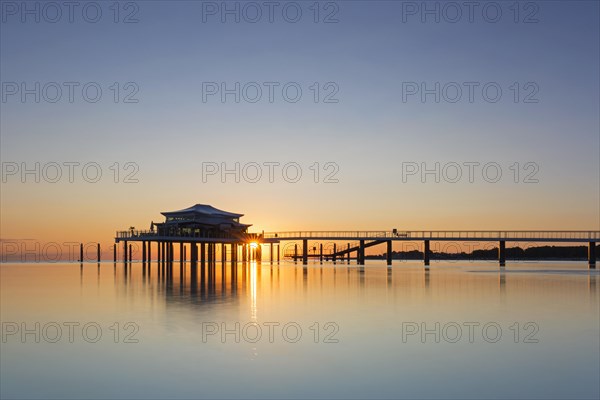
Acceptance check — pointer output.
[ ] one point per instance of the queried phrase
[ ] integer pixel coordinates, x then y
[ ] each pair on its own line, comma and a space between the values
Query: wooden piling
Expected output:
321, 253
334, 256
347, 253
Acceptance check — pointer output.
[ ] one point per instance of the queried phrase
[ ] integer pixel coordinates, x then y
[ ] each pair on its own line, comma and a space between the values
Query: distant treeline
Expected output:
514, 253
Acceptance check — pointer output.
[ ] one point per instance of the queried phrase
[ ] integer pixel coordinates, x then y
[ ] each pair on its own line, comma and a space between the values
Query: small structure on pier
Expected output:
202, 220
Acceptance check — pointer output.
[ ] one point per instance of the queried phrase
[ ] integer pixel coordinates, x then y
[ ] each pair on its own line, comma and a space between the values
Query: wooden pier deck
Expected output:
251, 244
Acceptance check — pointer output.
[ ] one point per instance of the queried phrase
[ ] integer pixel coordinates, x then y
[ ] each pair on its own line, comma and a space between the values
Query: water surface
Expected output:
343, 331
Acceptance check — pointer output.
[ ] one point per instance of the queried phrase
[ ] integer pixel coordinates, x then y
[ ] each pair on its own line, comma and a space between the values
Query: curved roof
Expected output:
204, 209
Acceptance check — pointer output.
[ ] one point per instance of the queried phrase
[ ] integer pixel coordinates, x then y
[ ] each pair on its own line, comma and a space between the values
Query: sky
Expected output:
347, 118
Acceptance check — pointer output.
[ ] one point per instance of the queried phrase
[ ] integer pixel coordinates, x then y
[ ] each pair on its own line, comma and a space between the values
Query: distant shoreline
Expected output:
540, 253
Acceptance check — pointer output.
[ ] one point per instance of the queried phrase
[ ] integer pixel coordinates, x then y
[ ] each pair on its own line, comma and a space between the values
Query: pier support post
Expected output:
334, 256
202, 254
143, 251
149, 255
194, 247
181, 257
502, 253
115, 253
244, 253
210, 253
426, 253
304, 252
125, 258
234, 251
389, 252
278, 253
321, 253
194, 252
223, 254
130, 252
271, 252
81, 252
347, 253
98, 251
171, 252
259, 253
592, 255
361, 252
295, 253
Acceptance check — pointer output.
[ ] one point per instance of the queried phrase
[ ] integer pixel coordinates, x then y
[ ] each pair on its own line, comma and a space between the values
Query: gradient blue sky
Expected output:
369, 133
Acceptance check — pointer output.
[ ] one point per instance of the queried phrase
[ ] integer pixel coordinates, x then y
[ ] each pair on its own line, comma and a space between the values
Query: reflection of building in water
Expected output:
202, 285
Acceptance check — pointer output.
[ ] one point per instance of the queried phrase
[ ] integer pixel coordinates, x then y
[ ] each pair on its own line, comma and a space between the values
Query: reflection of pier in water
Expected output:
204, 284
186, 285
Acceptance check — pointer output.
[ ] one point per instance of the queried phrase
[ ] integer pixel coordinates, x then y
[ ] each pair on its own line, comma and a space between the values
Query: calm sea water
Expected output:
458, 330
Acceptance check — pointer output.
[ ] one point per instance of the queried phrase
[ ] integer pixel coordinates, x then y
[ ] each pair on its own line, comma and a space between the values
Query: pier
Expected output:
203, 231
367, 239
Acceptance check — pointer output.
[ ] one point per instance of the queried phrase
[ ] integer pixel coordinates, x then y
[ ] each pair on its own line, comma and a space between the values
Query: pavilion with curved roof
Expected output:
202, 220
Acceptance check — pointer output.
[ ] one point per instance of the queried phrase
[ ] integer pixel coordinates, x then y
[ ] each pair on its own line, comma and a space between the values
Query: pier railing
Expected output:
440, 235
149, 235
130, 234
593, 236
